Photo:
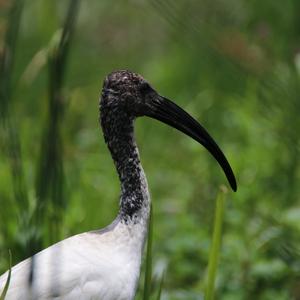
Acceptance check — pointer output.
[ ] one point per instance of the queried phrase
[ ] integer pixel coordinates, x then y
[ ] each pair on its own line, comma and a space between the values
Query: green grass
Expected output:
160, 287
4, 292
214, 254
9, 131
215, 248
50, 180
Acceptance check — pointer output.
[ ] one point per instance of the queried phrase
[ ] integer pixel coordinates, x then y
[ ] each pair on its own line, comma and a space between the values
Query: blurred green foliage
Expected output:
235, 66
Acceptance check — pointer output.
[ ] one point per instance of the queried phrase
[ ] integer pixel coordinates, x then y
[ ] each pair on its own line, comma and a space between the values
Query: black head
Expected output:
129, 91
127, 95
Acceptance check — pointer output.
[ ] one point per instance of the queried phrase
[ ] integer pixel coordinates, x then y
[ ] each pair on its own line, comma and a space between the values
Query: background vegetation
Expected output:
234, 65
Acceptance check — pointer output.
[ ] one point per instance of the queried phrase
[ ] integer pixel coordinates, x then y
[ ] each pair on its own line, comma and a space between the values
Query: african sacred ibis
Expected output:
105, 264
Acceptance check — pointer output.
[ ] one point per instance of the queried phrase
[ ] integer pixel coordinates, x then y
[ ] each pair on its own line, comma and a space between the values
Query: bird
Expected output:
105, 264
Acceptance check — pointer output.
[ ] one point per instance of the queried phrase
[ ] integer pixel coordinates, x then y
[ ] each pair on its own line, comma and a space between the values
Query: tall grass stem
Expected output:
51, 200
216, 245
3, 294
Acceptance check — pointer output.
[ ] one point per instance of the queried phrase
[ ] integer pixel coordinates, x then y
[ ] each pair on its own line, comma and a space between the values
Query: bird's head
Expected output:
127, 95
128, 92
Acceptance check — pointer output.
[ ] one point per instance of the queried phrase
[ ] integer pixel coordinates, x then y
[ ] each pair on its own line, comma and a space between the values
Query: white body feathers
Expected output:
102, 265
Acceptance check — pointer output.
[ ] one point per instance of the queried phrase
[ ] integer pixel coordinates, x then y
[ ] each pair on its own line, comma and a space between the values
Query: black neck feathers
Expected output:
118, 132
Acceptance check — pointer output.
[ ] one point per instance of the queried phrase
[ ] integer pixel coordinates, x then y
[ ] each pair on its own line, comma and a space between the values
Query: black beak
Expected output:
169, 113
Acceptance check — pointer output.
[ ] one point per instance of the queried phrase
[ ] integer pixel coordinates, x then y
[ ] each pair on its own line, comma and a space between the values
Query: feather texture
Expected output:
95, 265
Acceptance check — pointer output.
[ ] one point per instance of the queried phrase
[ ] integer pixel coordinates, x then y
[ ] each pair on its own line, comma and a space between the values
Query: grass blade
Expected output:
160, 286
148, 271
3, 294
7, 56
216, 245
10, 132
50, 175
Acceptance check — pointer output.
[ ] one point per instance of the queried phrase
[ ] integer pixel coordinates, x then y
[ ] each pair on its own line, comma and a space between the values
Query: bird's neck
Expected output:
134, 200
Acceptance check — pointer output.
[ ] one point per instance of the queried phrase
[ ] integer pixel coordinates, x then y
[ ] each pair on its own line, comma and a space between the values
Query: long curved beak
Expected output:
169, 113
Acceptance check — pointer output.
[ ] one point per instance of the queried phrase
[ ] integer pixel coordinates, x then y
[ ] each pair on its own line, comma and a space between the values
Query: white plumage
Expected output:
95, 265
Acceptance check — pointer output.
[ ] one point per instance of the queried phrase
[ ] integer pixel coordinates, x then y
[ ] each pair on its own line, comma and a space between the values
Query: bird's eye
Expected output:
145, 88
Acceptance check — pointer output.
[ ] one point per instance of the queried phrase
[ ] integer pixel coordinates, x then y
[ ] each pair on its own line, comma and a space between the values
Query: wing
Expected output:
57, 272
100, 265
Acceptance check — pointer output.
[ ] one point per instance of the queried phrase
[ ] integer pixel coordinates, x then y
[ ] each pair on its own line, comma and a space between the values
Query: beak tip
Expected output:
233, 186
